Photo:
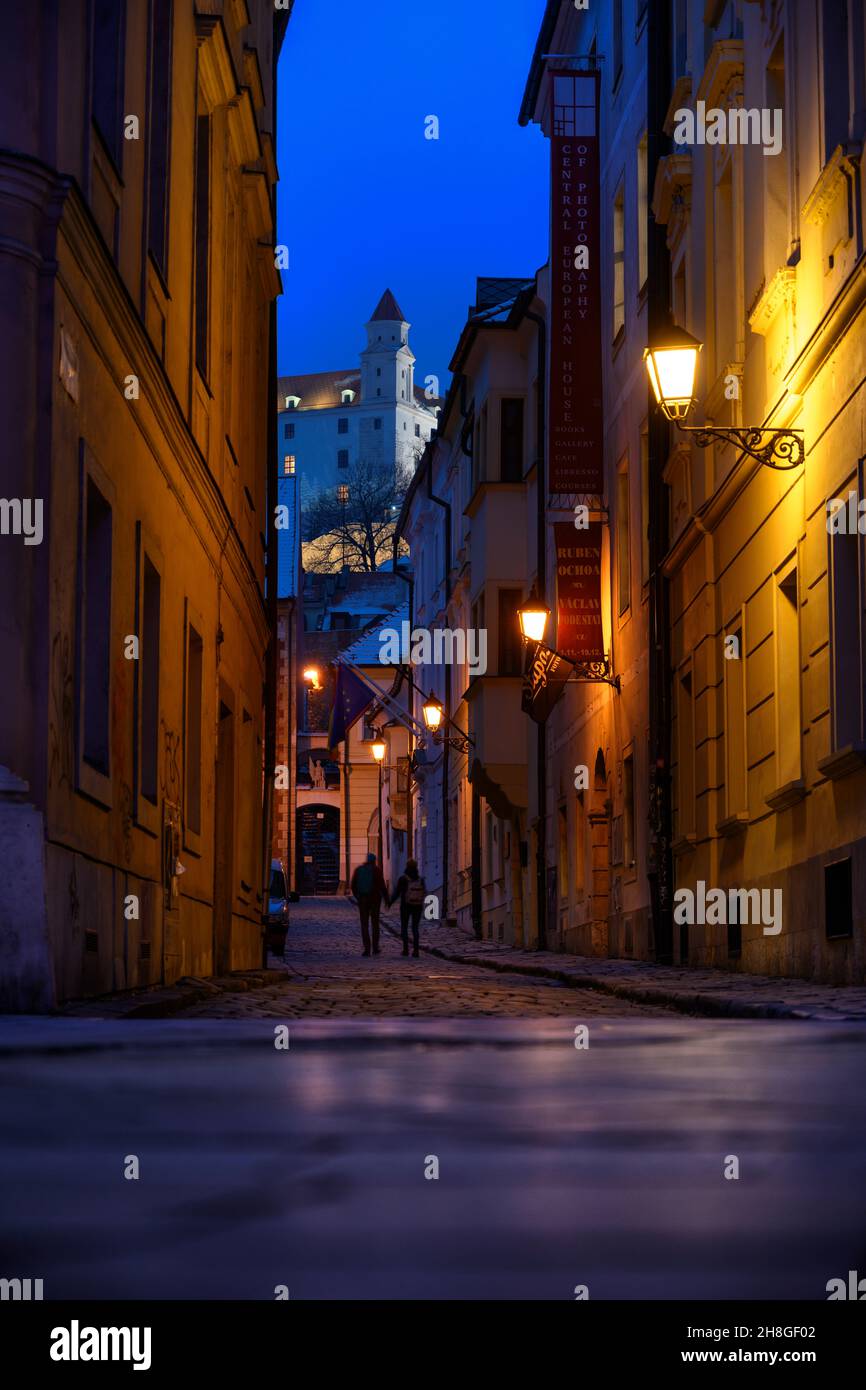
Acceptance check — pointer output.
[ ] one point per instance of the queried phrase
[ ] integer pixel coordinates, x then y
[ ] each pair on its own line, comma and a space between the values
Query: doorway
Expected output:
318, 841
224, 835
599, 821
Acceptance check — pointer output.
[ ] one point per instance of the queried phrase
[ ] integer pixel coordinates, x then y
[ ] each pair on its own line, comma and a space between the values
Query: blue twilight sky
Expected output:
365, 202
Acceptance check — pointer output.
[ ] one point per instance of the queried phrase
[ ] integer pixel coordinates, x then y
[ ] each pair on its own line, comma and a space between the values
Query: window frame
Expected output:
90, 781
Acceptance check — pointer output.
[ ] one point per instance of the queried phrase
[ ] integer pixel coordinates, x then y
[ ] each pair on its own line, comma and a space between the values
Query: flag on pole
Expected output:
351, 698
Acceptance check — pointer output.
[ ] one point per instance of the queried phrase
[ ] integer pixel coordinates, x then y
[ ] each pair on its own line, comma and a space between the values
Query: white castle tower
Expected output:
387, 362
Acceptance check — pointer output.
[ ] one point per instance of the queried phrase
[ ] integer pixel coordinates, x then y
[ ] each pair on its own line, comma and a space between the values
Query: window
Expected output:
417, 431
834, 43
618, 262
158, 130
378, 391
342, 425
148, 675
736, 784
289, 430
510, 639
342, 458
775, 168
623, 562
94, 631
628, 849
289, 466
838, 899
292, 403
378, 371
192, 733
347, 397
107, 83
617, 41
846, 649
377, 423
202, 241
789, 721
511, 440
562, 853
642, 215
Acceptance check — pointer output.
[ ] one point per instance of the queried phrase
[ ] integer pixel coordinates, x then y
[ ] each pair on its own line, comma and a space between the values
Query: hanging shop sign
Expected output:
579, 630
545, 674
575, 383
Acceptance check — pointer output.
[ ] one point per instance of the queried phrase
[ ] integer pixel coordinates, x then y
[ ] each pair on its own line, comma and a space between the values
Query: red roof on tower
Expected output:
389, 310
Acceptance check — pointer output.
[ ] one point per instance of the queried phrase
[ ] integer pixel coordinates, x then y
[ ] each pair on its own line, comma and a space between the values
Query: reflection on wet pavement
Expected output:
557, 1166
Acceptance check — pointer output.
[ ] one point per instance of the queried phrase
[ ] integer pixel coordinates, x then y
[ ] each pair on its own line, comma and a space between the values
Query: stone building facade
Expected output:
137, 278
768, 271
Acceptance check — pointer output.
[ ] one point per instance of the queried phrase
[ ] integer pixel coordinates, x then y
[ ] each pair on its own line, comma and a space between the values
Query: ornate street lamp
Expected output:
377, 748
437, 723
432, 711
672, 364
533, 617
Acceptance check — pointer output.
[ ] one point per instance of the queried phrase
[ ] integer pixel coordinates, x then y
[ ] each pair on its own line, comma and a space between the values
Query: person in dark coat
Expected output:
411, 890
369, 888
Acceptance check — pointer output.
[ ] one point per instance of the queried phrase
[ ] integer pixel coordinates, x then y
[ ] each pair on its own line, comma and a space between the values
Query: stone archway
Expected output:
599, 822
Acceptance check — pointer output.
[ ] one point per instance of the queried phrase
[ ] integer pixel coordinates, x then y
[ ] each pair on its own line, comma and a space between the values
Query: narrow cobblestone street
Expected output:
327, 977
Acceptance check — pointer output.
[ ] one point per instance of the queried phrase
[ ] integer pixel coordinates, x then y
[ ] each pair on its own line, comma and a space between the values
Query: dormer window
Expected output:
292, 402
348, 397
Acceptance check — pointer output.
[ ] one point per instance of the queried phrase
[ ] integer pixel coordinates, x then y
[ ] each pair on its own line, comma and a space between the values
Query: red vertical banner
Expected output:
579, 632
575, 391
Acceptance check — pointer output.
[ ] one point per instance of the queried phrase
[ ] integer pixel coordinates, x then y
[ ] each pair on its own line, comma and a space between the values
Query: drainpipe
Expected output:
446, 751
541, 583
660, 869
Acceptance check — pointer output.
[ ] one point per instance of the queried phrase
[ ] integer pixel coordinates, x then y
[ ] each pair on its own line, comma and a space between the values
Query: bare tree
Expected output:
359, 531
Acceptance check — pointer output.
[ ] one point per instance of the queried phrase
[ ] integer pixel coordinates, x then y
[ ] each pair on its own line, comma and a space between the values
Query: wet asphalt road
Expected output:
557, 1167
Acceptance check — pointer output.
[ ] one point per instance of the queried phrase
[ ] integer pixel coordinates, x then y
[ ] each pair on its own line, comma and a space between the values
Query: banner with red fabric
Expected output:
579, 632
575, 429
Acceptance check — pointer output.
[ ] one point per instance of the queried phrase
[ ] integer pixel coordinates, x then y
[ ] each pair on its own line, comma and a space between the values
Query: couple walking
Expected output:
369, 888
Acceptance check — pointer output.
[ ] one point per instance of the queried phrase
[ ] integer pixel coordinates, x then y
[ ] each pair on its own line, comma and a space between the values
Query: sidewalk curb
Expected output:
678, 1001
163, 1001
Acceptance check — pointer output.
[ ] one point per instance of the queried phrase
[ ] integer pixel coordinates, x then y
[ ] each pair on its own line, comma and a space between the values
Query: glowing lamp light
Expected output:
672, 365
433, 712
533, 617
377, 748
311, 676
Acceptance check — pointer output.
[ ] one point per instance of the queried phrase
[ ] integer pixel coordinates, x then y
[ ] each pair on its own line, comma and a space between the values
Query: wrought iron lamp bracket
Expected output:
775, 448
594, 671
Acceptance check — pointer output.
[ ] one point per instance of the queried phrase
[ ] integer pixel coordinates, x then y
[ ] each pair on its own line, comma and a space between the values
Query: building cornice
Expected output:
724, 66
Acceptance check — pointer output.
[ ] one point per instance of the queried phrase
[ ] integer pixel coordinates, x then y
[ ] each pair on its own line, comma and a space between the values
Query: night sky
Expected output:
365, 202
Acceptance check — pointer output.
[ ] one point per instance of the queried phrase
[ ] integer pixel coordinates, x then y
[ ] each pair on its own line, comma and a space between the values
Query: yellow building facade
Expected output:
137, 272
767, 601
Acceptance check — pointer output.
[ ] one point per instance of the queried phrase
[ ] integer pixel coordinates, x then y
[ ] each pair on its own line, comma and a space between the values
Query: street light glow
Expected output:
433, 712
377, 748
533, 617
672, 366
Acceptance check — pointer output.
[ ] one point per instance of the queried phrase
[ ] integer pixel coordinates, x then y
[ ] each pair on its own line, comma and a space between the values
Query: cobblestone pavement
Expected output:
327, 977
